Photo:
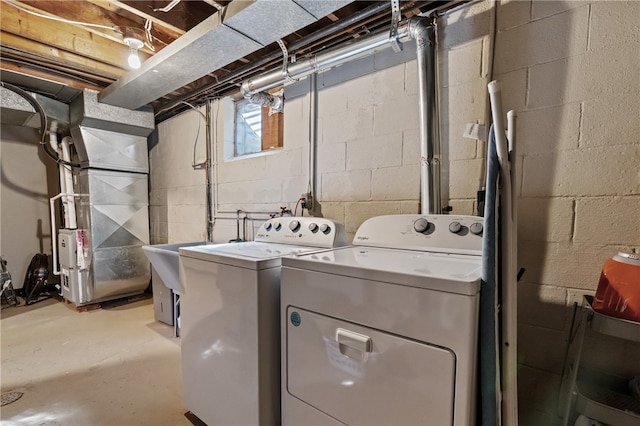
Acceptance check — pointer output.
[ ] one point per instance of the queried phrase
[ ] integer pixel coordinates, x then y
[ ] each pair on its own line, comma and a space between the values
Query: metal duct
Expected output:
115, 218
212, 44
424, 34
320, 9
88, 111
335, 27
430, 172
16, 111
317, 63
113, 210
109, 137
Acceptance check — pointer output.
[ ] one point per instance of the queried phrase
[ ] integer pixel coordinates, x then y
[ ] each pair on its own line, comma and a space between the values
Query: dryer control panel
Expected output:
303, 231
438, 233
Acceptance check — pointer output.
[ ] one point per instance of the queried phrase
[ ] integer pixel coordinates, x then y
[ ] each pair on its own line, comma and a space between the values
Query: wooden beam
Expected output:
61, 36
92, 14
184, 15
61, 57
116, 6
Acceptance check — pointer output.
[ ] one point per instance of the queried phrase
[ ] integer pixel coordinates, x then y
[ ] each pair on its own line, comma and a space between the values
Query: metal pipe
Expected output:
298, 44
318, 63
208, 172
415, 28
313, 143
430, 170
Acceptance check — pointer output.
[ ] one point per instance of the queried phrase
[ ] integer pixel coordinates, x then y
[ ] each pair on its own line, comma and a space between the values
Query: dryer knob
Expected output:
277, 226
476, 228
325, 229
294, 225
421, 225
313, 227
267, 226
455, 227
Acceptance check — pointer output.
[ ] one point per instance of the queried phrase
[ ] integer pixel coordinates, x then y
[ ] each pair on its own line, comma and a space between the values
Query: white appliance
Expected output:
230, 323
384, 332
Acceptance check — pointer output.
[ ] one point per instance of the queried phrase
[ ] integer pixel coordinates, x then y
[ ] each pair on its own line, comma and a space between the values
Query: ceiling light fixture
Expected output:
134, 42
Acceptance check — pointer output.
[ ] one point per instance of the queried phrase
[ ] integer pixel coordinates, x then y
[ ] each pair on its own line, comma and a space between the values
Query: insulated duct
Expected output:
247, 27
418, 29
113, 203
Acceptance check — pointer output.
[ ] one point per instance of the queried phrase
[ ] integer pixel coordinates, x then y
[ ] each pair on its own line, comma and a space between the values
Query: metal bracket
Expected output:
395, 19
285, 60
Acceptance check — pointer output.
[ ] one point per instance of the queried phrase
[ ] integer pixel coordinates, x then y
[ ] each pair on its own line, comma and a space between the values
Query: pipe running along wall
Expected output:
416, 28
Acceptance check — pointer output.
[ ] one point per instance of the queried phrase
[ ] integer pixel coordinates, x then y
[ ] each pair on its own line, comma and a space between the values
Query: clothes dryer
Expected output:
384, 332
230, 324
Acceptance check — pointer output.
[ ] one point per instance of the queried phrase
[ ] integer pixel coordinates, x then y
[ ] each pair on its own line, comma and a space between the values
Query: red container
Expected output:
618, 293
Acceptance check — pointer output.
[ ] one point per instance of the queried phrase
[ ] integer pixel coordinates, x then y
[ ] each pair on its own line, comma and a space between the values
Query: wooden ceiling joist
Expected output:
93, 15
69, 38
118, 6
40, 52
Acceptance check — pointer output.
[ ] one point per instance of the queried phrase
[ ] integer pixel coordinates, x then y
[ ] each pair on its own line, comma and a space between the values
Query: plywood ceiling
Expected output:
80, 43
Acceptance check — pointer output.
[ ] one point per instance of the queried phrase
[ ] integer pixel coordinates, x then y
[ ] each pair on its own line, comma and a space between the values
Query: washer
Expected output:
384, 332
230, 323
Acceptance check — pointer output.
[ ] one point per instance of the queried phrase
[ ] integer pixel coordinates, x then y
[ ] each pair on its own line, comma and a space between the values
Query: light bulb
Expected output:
134, 59
134, 44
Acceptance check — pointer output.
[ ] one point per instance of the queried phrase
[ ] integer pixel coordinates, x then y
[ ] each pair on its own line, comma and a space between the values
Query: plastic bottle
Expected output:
618, 292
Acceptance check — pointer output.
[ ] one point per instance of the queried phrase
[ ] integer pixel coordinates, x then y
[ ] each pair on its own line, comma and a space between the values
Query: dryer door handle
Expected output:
350, 342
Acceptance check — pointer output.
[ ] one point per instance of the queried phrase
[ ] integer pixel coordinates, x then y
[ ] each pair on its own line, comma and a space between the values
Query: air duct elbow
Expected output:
420, 29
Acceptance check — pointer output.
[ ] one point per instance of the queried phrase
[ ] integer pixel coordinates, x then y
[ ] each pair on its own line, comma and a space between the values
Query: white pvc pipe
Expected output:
69, 202
53, 136
63, 188
511, 139
56, 147
509, 294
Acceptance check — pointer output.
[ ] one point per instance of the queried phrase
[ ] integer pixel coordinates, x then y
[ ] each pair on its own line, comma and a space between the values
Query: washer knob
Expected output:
313, 227
421, 225
325, 229
455, 227
267, 226
277, 226
294, 225
476, 228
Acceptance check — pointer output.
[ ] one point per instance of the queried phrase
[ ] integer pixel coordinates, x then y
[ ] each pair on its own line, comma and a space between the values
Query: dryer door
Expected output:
359, 375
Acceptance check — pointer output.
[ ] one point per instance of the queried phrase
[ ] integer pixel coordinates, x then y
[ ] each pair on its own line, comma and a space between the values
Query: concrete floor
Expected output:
111, 366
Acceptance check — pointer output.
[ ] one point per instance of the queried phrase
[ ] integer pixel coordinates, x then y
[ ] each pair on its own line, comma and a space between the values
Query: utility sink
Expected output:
165, 259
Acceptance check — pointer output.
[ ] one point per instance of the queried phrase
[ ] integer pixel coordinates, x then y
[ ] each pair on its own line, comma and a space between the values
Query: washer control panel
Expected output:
439, 233
304, 231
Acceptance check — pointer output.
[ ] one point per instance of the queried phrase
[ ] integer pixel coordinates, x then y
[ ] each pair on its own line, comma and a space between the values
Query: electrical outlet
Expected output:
307, 202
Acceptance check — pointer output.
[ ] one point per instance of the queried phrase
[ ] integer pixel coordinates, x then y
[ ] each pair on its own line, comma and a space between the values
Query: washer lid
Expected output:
252, 254
455, 273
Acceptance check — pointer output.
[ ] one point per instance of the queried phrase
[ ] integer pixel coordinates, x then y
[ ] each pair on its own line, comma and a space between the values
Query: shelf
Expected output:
606, 405
617, 327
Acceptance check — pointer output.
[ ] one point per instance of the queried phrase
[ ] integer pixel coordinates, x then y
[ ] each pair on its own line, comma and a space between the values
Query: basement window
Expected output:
255, 130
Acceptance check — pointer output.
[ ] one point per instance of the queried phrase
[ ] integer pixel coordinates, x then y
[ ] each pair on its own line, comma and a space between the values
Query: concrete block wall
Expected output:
177, 197
569, 71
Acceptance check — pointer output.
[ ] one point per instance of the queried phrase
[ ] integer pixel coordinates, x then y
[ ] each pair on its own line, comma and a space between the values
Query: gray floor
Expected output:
113, 366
